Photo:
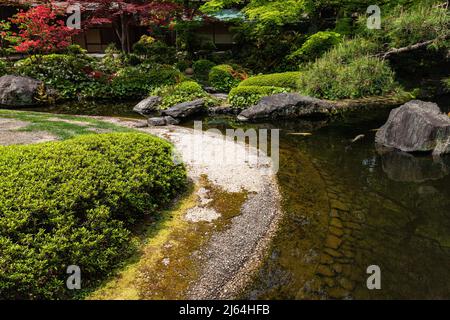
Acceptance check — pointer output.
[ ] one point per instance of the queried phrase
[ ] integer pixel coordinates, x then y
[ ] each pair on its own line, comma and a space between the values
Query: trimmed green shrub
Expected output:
182, 92
73, 203
315, 46
224, 77
202, 67
283, 80
245, 96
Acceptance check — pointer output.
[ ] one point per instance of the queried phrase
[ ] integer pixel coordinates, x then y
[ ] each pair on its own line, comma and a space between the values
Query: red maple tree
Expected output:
41, 30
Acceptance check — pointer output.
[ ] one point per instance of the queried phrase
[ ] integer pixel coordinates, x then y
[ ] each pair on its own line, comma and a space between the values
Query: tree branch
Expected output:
412, 47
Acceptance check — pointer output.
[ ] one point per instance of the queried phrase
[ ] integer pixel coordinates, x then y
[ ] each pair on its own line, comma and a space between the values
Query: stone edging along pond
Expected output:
235, 210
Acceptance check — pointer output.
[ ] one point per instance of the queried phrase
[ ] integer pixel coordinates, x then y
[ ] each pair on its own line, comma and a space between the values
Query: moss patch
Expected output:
169, 258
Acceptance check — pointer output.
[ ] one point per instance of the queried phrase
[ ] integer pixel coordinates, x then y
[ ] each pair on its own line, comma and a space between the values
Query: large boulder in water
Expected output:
416, 126
17, 91
185, 109
286, 105
148, 105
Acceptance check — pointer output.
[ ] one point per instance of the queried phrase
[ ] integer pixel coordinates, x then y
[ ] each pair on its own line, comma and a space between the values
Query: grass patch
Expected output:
62, 126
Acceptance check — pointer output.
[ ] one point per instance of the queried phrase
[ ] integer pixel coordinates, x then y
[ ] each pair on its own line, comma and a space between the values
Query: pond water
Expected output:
91, 108
347, 207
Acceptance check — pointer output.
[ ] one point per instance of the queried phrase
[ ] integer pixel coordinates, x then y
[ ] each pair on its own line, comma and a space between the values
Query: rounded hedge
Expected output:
182, 92
283, 80
224, 77
73, 203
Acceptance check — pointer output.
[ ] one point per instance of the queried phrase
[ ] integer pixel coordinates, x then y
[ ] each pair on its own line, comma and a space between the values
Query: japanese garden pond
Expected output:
346, 208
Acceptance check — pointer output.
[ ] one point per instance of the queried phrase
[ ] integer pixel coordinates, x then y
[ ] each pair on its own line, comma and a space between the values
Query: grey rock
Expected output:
286, 105
162, 121
170, 120
416, 126
211, 90
223, 110
220, 96
185, 109
17, 91
157, 121
148, 105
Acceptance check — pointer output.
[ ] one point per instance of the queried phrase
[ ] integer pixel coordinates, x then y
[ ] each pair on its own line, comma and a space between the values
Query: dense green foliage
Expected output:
136, 82
182, 92
245, 96
419, 23
2, 68
224, 77
348, 71
315, 46
62, 72
154, 51
78, 76
72, 203
202, 68
283, 80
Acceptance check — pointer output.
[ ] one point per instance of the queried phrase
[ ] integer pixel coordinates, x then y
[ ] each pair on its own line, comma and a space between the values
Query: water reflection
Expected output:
404, 167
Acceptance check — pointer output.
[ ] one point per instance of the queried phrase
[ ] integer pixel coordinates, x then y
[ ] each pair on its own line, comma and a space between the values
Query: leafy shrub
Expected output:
447, 84
136, 82
224, 77
75, 49
202, 67
345, 72
144, 45
182, 92
66, 73
2, 68
315, 46
245, 96
154, 51
74, 202
114, 59
283, 80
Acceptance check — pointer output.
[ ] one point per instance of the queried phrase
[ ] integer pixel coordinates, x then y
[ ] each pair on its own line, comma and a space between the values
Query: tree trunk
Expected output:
123, 37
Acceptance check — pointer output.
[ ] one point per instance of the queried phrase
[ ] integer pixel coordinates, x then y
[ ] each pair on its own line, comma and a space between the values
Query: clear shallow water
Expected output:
347, 207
